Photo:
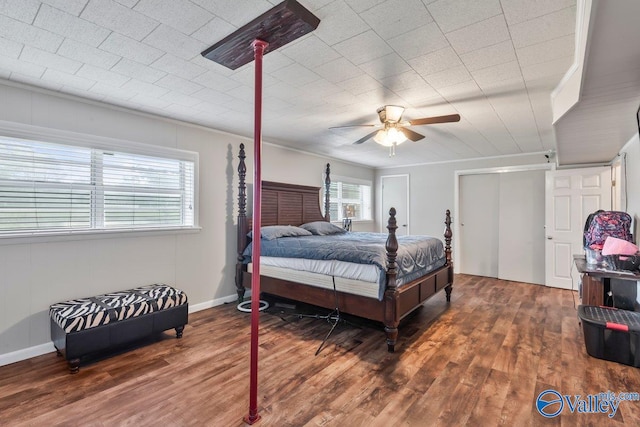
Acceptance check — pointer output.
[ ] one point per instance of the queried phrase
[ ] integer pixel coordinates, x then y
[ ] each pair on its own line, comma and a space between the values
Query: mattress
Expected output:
278, 268
416, 255
347, 270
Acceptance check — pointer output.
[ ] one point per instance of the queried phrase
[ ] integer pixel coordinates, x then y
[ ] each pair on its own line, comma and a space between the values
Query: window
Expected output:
47, 187
349, 198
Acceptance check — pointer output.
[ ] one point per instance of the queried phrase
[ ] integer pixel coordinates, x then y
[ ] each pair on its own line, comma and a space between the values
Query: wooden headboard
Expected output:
290, 204
282, 204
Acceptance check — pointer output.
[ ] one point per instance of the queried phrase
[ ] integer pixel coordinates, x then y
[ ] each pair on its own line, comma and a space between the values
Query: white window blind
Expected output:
349, 200
48, 187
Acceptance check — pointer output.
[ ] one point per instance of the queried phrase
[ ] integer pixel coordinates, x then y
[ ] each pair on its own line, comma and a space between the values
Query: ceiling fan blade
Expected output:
433, 120
353, 126
413, 136
364, 138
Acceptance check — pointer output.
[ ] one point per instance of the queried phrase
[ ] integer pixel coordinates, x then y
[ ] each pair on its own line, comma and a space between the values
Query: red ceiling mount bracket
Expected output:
271, 30
282, 24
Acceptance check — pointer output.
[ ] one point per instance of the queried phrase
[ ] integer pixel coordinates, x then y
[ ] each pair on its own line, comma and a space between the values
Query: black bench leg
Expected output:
74, 366
179, 330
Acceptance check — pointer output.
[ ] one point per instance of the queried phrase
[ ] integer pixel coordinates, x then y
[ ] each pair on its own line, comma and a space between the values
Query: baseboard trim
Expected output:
212, 303
39, 350
26, 353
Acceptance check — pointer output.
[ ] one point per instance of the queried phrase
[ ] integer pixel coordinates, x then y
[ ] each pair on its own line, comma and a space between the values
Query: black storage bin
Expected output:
624, 294
611, 334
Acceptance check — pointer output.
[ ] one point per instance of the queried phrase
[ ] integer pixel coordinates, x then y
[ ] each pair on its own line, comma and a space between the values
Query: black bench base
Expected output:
75, 346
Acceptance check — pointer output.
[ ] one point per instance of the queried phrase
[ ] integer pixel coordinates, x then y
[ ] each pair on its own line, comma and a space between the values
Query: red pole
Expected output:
258, 50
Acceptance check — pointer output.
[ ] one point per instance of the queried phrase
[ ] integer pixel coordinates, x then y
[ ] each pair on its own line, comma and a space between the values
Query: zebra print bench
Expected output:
86, 326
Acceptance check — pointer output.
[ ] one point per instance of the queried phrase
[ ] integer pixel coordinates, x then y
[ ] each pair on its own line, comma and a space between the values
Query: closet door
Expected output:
479, 214
502, 225
521, 227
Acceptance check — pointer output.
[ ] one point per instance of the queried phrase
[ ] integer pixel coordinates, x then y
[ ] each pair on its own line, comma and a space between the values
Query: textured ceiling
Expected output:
495, 62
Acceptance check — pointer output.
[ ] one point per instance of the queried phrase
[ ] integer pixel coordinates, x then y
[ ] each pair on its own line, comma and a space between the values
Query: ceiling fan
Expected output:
394, 131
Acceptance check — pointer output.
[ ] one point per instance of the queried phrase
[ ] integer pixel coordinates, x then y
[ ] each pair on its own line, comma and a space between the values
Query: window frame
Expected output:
353, 181
55, 136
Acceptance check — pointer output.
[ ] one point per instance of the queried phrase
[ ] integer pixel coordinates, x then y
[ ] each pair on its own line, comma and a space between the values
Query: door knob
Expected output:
549, 238
404, 225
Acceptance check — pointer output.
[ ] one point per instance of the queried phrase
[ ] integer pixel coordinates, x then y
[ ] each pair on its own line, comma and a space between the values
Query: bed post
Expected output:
242, 221
391, 320
447, 252
327, 184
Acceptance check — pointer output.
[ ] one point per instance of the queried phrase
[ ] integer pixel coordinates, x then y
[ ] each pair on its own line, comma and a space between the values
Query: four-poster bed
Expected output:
294, 205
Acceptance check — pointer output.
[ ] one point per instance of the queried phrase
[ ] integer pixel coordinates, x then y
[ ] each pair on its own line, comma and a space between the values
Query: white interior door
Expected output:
478, 224
521, 226
395, 193
571, 195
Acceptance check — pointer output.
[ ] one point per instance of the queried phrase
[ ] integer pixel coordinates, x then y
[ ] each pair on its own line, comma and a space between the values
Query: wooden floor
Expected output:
481, 360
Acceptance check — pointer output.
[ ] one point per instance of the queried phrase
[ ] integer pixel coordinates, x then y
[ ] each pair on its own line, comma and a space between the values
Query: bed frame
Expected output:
291, 204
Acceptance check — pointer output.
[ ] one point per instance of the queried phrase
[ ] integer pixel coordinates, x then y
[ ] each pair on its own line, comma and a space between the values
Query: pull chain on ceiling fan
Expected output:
394, 131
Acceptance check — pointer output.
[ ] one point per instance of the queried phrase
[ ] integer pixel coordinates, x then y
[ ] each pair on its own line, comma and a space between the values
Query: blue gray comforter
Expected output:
417, 255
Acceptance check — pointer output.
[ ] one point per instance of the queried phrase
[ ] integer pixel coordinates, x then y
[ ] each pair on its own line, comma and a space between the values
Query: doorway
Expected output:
572, 194
395, 193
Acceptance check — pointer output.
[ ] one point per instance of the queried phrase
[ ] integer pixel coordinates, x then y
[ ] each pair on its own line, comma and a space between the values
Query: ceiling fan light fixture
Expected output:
381, 138
397, 135
395, 131
389, 137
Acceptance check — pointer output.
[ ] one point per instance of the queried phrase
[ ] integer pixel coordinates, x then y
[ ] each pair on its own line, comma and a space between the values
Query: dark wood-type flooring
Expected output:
481, 360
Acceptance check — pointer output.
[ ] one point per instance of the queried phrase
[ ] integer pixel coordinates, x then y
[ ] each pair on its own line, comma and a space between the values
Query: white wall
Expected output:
37, 274
431, 189
631, 179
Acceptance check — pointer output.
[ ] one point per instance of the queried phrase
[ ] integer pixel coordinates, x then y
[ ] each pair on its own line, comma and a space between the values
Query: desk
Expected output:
595, 281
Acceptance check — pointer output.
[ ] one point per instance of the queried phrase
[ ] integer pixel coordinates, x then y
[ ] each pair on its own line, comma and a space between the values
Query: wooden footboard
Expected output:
400, 302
